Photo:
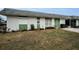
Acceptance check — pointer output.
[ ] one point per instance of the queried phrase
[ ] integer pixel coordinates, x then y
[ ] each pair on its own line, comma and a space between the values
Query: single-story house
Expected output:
26, 20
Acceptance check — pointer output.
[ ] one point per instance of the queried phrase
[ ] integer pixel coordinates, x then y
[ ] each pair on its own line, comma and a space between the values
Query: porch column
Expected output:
70, 23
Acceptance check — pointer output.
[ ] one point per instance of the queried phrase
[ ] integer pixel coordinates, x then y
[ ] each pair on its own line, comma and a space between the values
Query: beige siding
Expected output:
13, 22
48, 22
53, 23
62, 21
42, 23
77, 22
30, 21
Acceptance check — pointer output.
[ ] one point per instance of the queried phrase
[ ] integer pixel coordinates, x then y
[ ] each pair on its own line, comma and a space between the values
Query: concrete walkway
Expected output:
72, 29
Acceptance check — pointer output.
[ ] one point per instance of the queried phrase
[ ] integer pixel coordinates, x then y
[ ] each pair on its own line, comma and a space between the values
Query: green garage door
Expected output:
57, 23
22, 26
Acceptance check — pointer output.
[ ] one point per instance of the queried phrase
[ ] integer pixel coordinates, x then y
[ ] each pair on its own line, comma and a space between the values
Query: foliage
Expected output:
32, 27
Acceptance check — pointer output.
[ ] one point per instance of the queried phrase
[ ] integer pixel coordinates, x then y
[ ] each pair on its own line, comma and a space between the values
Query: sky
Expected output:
62, 11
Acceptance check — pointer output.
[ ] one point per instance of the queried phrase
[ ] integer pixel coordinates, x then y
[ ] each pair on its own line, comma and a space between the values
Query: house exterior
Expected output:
2, 25
25, 20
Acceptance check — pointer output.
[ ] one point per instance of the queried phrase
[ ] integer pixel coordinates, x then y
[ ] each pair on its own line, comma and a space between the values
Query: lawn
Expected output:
40, 40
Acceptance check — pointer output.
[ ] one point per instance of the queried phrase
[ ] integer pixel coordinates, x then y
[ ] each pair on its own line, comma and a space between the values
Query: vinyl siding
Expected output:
77, 22
62, 21
13, 22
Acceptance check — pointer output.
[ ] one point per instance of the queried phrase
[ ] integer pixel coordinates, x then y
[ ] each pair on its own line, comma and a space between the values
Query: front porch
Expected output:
51, 23
61, 23
72, 23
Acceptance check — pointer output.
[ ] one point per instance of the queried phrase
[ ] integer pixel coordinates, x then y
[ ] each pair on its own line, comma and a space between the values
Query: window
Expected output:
38, 17
38, 20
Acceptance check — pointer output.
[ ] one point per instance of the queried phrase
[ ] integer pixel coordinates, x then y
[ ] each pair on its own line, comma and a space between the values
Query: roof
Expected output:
15, 12
74, 17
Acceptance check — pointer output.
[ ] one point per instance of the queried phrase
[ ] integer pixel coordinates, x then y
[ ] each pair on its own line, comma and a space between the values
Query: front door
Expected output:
67, 22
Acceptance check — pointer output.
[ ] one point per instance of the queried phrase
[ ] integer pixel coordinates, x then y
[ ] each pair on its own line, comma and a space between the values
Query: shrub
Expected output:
32, 27
23, 27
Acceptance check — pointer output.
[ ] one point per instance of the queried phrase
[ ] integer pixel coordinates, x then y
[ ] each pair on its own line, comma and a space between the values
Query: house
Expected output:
26, 20
2, 25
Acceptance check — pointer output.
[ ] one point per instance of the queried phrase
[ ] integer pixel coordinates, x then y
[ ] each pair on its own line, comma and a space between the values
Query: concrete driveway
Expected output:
72, 29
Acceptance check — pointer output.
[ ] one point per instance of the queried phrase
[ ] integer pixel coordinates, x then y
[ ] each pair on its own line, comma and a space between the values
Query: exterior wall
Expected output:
22, 20
48, 22
33, 21
77, 22
53, 23
42, 23
62, 21
13, 22
57, 22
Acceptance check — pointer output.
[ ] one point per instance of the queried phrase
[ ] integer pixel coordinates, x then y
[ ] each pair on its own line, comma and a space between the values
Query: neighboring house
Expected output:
23, 20
2, 25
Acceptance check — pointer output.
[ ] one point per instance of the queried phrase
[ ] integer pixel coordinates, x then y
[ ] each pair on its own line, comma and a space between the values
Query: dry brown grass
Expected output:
40, 40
